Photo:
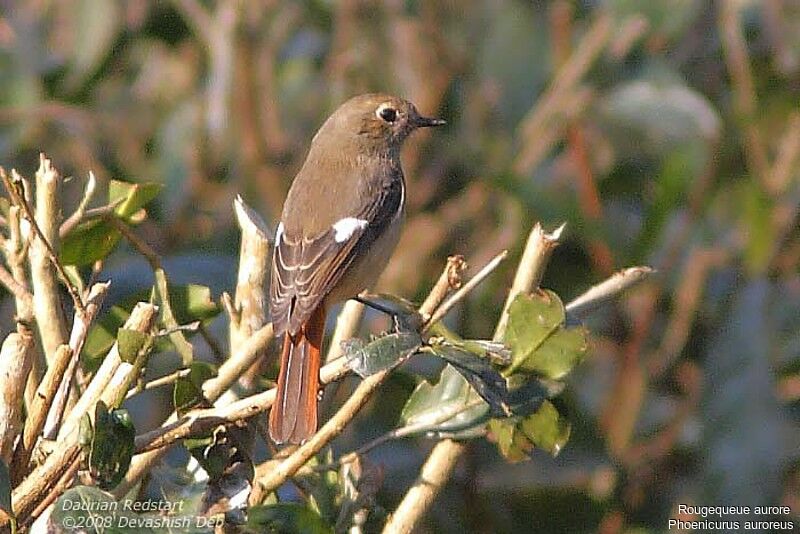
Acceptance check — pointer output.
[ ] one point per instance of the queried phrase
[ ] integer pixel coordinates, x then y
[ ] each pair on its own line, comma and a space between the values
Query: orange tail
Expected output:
293, 417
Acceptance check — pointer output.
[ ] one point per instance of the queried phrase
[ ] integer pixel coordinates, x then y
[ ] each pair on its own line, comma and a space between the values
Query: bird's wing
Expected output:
306, 268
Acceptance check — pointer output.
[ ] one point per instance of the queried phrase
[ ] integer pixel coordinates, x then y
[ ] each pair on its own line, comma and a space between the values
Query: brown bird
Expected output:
340, 224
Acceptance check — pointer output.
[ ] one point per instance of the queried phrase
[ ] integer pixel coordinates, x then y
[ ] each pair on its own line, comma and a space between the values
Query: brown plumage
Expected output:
339, 226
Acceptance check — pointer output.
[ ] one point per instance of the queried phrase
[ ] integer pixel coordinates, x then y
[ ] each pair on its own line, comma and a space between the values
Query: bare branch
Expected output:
531, 268
80, 329
77, 216
15, 364
158, 382
227, 374
41, 481
607, 290
456, 297
443, 458
273, 476
104, 381
38, 408
19, 291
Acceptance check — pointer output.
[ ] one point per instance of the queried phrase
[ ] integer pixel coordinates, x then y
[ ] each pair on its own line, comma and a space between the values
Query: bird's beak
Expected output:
427, 122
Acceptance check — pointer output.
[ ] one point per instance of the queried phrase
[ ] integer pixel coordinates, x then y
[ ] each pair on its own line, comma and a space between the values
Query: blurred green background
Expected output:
665, 133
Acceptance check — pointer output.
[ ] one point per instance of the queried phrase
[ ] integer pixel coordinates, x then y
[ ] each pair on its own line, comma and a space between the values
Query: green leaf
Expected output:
484, 379
90, 241
547, 428
190, 303
188, 390
130, 343
382, 353
112, 446
95, 239
5, 489
286, 517
450, 405
532, 318
131, 196
214, 453
103, 335
558, 354
516, 437
538, 339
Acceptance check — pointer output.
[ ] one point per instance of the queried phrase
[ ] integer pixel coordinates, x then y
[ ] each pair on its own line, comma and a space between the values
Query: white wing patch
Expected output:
345, 228
278, 233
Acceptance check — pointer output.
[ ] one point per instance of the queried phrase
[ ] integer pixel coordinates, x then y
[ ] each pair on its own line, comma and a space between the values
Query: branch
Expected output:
44, 224
183, 347
562, 98
529, 273
46, 298
19, 291
273, 476
158, 382
433, 309
80, 329
105, 381
41, 481
442, 460
15, 363
607, 290
248, 310
37, 410
457, 296
227, 374
78, 215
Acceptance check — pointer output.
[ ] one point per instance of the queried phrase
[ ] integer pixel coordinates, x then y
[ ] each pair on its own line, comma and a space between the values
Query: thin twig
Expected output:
449, 279
786, 162
21, 201
607, 289
398, 433
94, 213
562, 91
183, 347
80, 330
77, 216
103, 381
37, 410
158, 382
227, 375
459, 294
442, 460
211, 341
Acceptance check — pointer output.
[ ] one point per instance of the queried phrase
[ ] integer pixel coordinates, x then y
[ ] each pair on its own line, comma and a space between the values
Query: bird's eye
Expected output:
387, 113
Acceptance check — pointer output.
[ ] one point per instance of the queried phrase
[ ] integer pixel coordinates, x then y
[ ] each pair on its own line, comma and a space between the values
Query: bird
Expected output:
339, 226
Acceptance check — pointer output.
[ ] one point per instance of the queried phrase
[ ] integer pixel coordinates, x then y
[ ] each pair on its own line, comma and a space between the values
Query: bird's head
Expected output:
375, 122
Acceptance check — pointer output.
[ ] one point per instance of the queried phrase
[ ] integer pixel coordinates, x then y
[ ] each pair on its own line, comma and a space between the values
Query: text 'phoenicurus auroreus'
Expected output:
339, 226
